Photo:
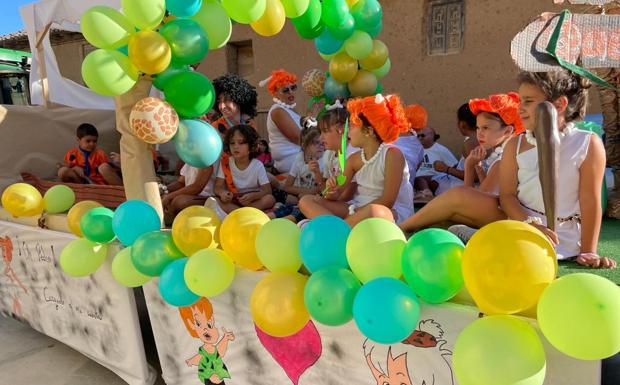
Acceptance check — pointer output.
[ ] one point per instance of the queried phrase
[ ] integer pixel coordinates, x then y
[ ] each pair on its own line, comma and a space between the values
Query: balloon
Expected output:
245, 11
58, 199
363, 84
375, 30
507, 265
82, 257
144, 14
359, 45
213, 18
334, 12
345, 29
327, 44
124, 272
153, 251
342, 67
499, 350
105, 27
367, 14
377, 57
160, 80
134, 218
124, 50
351, 3
183, 8
96, 225
172, 285
313, 82
374, 249
334, 90
323, 243
76, 213
383, 70
22, 200
329, 295
197, 143
309, 25
188, 42
149, 52
277, 245
432, 264
326, 57
577, 300
295, 8
277, 304
109, 73
190, 93
153, 121
386, 310
238, 236
379, 88
196, 228
272, 21
209, 272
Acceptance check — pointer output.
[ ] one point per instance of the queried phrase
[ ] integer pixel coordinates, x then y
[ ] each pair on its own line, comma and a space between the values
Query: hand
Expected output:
226, 197
476, 156
115, 157
228, 336
331, 183
248, 198
314, 167
440, 166
79, 171
596, 261
166, 200
553, 237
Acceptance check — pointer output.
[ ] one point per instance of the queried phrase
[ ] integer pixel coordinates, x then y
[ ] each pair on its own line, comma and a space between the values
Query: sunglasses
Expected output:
289, 89
420, 136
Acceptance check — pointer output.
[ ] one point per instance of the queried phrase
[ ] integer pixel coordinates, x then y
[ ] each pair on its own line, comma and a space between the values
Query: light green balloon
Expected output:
109, 73
499, 350
124, 272
58, 199
295, 8
359, 45
213, 18
105, 27
82, 257
244, 11
209, 272
144, 14
277, 246
383, 70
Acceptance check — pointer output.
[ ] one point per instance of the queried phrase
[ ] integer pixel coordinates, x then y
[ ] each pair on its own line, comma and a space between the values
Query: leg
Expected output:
313, 206
110, 175
291, 199
264, 203
184, 201
227, 207
370, 211
67, 175
461, 204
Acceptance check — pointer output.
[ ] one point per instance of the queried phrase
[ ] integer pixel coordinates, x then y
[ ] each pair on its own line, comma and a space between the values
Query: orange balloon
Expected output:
343, 67
363, 84
149, 52
377, 57
272, 20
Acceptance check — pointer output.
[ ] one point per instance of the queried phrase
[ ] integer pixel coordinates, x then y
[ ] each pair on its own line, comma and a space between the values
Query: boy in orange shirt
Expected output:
86, 163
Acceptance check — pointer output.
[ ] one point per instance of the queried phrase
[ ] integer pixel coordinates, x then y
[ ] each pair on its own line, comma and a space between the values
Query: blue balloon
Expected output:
134, 218
323, 243
386, 310
183, 8
172, 285
197, 143
334, 90
327, 43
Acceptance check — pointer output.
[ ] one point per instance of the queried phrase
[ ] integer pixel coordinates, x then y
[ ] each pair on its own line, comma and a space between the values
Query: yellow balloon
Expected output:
238, 236
22, 200
507, 265
272, 20
195, 228
149, 52
277, 304
75, 215
363, 84
377, 57
352, 2
343, 67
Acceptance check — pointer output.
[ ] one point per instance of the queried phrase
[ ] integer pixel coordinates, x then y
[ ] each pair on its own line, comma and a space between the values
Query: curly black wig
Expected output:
238, 90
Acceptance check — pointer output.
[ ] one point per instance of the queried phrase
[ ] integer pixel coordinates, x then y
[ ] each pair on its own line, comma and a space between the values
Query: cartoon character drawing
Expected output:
200, 323
421, 359
6, 245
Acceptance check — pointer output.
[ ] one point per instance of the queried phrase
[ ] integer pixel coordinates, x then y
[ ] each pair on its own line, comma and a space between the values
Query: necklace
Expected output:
282, 104
531, 139
363, 155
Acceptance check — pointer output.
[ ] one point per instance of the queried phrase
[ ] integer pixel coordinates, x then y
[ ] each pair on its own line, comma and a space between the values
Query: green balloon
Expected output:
96, 225
499, 350
213, 18
209, 272
277, 246
367, 14
105, 27
432, 265
153, 251
334, 12
160, 80
295, 8
144, 14
58, 199
124, 272
329, 295
188, 41
190, 93
375, 30
109, 73
383, 70
245, 11
575, 300
309, 25
345, 29
82, 257
359, 45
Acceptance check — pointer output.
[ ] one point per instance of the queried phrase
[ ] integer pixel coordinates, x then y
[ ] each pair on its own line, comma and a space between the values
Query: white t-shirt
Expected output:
304, 177
247, 180
190, 174
431, 155
413, 151
332, 164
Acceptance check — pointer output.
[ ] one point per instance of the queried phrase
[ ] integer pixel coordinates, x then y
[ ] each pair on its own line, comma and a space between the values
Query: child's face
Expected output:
239, 148
88, 142
262, 147
227, 107
490, 132
332, 139
205, 328
359, 135
426, 137
314, 151
531, 96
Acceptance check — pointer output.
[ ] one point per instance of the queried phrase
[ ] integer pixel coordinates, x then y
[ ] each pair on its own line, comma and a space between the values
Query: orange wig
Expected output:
385, 115
417, 116
504, 105
187, 313
278, 79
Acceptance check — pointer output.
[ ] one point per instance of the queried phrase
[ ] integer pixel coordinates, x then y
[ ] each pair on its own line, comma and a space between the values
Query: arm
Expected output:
346, 191
590, 180
394, 166
286, 125
221, 191
491, 181
223, 344
199, 184
471, 164
194, 361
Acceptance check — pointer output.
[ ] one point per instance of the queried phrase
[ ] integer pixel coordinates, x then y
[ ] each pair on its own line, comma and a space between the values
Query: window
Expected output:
240, 58
446, 24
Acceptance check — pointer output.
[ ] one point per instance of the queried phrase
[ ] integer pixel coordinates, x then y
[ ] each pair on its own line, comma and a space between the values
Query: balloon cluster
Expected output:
24, 200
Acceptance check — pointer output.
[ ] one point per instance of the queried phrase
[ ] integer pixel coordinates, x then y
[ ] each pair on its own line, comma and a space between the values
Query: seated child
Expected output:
433, 151
264, 155
409, 143
192, 188
242, 180
86, 163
